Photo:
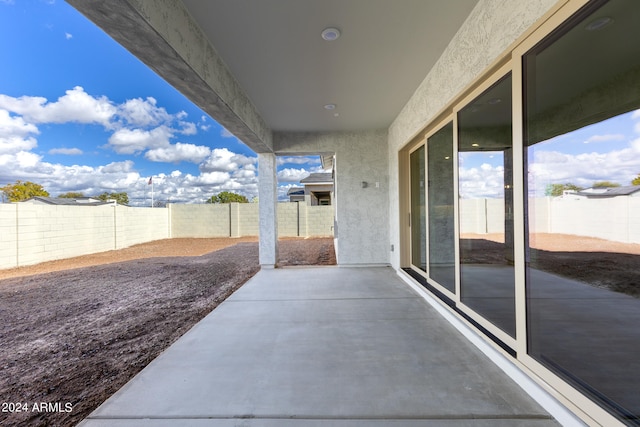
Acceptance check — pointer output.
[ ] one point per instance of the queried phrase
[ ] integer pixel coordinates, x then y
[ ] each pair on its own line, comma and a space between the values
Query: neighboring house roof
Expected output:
318, 178
61, 201
295, 191
609, 192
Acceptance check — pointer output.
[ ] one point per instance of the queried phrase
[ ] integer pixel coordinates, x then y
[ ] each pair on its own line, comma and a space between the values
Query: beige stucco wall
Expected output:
362, 214
485, 37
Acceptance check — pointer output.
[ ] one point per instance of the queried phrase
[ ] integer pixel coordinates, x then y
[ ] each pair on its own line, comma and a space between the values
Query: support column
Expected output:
268, 200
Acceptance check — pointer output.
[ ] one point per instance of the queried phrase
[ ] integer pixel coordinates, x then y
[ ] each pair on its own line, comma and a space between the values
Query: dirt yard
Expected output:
597, 262
72, 332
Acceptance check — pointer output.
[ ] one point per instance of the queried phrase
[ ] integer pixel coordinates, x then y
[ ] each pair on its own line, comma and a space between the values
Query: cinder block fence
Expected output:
30, 234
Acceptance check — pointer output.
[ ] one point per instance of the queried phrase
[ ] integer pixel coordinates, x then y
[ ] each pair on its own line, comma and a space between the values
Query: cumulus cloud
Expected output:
178, 153
298, 160
140, 112
16, 134
117, 167
66, 151
133, 141
605, 138
137, 124
486, 181
292, 175
75, 106
223, 160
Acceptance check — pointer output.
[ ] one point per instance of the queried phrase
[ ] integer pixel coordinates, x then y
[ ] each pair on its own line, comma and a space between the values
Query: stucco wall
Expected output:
362, 214
485, 36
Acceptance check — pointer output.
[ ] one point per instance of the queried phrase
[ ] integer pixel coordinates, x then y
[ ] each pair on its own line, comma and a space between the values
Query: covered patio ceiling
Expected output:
278, 61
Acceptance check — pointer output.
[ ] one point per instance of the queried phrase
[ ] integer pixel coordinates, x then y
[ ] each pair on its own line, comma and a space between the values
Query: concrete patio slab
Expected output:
322, 347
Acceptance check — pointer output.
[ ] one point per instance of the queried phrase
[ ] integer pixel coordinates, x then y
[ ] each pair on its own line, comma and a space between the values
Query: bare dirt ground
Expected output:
597, 262
72, 332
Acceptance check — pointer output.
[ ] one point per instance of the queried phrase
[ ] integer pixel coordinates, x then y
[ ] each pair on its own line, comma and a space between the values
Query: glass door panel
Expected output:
418, 211
485, 177
440, 200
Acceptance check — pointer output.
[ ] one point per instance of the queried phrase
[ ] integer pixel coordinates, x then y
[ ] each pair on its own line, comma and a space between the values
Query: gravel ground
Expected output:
72, 332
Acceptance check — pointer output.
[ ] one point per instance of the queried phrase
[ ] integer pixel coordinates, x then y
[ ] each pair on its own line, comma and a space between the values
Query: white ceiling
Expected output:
275, 51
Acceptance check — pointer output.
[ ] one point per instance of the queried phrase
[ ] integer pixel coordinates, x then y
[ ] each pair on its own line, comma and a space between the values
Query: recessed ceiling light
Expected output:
330, 34
475, 145
599, 23
330, 107
494, 101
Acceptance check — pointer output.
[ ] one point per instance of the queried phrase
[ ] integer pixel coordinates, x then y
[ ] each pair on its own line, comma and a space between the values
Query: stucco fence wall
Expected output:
30, 234
616, 218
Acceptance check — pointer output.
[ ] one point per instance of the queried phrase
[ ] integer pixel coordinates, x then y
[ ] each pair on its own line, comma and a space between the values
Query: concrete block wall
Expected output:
616, 219
138, 225
46, 233
209, 220
241, 219
8, 235
30, 234
319, 221
288, 225
248, 219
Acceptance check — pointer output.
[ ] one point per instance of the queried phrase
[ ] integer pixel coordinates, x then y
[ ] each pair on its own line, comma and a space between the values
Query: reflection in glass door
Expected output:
418, 220
441, 217
485, 176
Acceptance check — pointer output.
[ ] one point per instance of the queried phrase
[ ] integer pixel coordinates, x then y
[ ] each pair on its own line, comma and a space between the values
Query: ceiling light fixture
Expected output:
599, 23
330, 107
330, 34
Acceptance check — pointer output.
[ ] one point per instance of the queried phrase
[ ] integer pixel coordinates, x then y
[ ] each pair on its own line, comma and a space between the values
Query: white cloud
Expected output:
178, 153
605, 138
583, 169
15, 134
66, 151
292, 175
68, 36
117, 167
133, 141
140, 112
176, 186
223, 160
226, 134
75, 106
298, 160
485, 181
213, 178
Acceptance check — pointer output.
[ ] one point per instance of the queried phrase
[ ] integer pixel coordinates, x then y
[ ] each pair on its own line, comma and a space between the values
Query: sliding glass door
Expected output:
418, 212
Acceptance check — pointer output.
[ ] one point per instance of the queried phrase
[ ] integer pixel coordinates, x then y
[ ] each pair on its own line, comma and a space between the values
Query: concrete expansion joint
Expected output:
434, 417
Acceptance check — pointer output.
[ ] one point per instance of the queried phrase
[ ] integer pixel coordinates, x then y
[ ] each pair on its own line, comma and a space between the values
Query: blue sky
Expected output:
79, 113
605, 151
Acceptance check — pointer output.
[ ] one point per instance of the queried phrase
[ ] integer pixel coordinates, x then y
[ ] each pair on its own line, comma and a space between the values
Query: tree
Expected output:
556, 190
121, 198
227, 197
636, 180
71, 195
23, 191
605, 184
